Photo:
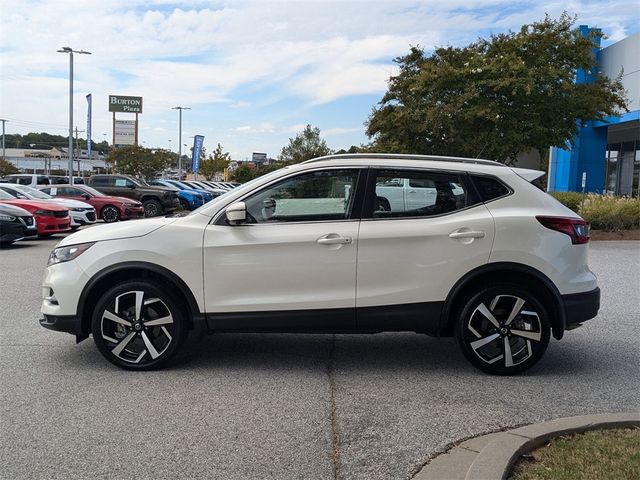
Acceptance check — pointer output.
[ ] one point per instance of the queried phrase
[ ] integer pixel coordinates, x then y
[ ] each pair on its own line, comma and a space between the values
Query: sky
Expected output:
253, 72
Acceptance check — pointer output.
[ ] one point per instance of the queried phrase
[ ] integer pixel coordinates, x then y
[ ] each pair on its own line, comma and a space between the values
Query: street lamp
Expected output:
70, 51
180, 139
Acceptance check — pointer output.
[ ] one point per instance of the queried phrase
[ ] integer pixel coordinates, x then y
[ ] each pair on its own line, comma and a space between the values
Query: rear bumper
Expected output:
579, 307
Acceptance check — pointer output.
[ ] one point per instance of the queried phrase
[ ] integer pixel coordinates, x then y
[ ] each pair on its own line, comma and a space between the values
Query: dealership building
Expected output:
606, 152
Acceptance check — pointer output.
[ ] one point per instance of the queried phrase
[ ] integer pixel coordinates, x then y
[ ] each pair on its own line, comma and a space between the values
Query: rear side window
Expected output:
490, 188
102, 181
418, 193
41, 180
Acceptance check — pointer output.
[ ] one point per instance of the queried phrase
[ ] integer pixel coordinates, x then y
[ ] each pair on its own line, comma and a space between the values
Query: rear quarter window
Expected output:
490, 188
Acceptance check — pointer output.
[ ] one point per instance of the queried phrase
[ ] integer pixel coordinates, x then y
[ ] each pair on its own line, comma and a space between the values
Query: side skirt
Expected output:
413, 317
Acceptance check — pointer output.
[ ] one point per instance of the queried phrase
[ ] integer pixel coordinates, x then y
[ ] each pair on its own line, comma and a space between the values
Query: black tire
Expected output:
128, 338
495, 348
110, 213
152, 208
184, 204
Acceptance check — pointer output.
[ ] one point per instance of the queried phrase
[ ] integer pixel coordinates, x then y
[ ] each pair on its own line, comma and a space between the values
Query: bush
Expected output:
606, 212
570, 200
603, 212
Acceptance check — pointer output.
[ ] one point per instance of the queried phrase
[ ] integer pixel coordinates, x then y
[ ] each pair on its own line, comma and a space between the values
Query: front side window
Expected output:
314, 196
416, 193
103, 181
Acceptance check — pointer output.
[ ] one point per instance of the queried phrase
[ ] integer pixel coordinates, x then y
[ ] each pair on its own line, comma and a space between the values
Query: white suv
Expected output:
461, 247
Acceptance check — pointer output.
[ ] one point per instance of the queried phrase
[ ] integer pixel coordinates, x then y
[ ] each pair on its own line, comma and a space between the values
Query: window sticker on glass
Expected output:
121, 182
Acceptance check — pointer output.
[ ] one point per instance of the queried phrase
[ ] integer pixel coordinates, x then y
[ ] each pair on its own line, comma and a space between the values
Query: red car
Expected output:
110, 209
50, 218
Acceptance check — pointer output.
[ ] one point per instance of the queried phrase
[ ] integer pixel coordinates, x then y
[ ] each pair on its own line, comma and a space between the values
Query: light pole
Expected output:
70, 51
180, 139
3, 150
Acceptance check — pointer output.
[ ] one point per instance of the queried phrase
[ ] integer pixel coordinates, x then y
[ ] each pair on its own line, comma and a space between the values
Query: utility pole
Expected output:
71, 51
78, 149
180, 140
3, 151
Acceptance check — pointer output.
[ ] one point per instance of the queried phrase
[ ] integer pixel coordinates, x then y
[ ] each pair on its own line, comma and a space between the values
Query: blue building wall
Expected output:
589, 147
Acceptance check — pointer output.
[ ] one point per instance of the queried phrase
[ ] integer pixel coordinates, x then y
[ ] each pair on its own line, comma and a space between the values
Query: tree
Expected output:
305, 146
215, 163
495, 98
6, 167
139, 161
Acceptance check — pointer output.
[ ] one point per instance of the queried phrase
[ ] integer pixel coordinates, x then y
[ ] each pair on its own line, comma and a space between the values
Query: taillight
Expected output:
576, 228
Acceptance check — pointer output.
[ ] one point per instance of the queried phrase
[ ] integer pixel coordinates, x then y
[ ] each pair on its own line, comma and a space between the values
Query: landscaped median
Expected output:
606, 213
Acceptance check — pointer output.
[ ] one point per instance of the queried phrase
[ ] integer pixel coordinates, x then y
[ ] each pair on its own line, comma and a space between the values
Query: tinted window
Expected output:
23, 180
101, 181
489, 187
415, 193
40, 180
314, 196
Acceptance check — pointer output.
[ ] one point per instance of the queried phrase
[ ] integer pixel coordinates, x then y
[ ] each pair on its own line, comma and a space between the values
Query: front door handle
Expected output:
467, 234
333, 239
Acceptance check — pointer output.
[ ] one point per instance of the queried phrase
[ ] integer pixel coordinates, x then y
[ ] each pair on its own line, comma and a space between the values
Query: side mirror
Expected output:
131, 186
86, 196
236, 213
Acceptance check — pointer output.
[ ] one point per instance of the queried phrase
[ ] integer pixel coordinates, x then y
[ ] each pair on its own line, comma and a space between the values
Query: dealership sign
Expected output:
125, 132
120, 103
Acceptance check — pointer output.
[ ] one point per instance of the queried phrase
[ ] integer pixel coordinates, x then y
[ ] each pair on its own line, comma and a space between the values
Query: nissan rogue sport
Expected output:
360, 243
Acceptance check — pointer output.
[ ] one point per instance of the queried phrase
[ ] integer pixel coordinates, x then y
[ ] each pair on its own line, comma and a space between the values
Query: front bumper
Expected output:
67, 323
580, 307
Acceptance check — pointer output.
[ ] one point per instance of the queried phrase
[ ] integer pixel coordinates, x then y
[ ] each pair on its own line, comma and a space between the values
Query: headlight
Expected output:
64, 254
6, 218
77, 209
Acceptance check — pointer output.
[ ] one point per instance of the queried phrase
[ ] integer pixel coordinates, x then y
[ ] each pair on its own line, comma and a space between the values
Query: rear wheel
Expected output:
139, 325
503, 330
184, 204
152, 208
110, 214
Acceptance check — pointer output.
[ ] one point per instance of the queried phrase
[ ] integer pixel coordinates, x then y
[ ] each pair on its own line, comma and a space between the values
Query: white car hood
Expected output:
115, 231
67, 202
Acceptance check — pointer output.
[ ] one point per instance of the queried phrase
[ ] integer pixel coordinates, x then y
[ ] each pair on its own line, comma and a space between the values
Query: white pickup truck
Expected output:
405, 194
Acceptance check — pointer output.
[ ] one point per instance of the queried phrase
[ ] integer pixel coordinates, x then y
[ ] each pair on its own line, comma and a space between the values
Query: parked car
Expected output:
204, 186
155, 200
206, 194
49, 217
15, 224
189, 199
81, 213
489, 259
27, 179
108, 208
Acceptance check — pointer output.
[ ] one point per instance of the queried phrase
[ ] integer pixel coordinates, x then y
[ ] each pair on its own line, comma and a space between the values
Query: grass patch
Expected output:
599, 454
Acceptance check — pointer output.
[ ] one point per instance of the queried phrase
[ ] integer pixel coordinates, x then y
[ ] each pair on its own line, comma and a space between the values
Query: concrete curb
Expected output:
491, 456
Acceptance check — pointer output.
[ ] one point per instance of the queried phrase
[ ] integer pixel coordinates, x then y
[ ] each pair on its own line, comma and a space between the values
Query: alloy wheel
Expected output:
110, 214
137, 328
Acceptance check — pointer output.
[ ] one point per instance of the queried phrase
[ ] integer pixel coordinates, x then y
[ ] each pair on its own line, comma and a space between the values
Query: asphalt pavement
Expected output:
255, 406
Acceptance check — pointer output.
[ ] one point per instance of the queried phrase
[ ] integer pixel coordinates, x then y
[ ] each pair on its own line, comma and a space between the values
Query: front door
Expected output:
292, 266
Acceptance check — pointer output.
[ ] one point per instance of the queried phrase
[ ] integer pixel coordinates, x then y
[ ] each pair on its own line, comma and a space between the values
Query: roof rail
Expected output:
403, 156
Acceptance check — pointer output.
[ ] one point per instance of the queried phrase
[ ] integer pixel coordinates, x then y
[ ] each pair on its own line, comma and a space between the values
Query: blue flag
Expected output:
197, 149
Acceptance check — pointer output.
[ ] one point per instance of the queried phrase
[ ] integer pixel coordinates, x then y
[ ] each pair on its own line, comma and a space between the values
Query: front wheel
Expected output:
138, 325
110, 214
152, 208
503, 330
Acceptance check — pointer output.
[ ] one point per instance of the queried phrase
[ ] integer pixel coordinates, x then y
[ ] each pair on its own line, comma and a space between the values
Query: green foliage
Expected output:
6, 167
570, 200
495, 98
305, 146
245, 173
607, 212
215, 163
46, 140
140, 162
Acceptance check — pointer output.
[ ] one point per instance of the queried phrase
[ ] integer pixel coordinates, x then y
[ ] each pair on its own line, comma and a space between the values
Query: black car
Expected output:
15, 223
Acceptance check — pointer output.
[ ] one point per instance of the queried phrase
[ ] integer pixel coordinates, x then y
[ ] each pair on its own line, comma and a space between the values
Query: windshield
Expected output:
140, 182
179, 185
5, 196
93, 191
165, 184
33, 193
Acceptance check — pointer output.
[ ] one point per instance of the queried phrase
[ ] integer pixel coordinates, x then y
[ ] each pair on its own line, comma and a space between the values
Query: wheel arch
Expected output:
519, 274
149, 196
109, 276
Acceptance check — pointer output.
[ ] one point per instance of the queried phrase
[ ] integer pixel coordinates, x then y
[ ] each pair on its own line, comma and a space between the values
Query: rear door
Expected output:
410, 258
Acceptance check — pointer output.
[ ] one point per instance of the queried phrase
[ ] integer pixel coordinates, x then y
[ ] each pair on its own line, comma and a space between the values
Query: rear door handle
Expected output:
333, 239
467, 234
